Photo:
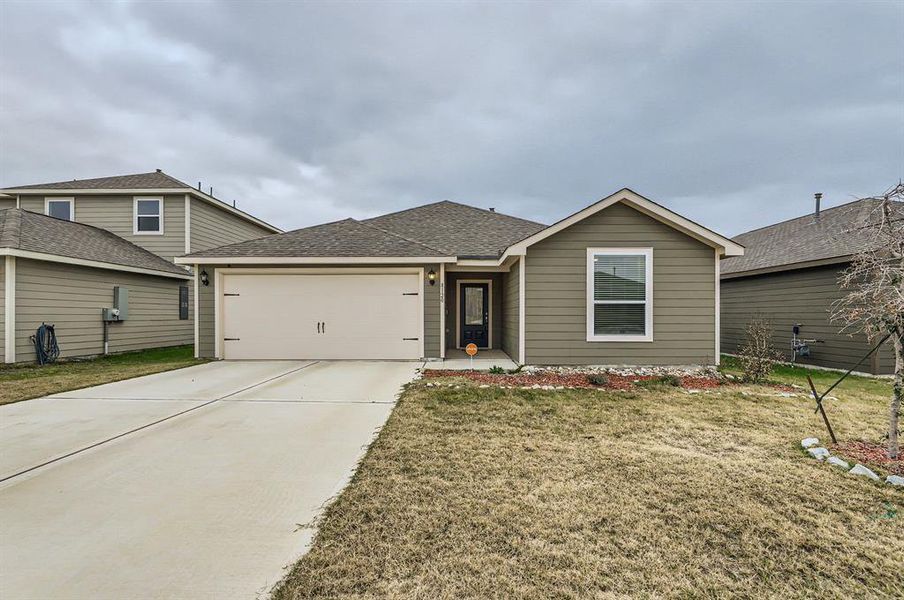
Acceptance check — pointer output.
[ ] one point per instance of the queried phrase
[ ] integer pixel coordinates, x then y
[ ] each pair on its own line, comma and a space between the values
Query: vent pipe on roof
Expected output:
211, 191
199, 186
818, 196
492, 209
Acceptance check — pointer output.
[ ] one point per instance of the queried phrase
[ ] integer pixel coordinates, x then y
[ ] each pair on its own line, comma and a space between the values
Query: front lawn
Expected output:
22, 382
489, 492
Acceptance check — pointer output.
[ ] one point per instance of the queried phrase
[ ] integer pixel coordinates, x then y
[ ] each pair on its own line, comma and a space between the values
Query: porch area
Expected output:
458, 360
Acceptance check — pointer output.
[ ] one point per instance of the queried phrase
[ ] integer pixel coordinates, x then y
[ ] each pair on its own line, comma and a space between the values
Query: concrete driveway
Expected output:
195, 483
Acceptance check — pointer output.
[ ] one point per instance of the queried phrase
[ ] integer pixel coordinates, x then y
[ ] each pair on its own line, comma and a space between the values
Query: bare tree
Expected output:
874, 303
757, 355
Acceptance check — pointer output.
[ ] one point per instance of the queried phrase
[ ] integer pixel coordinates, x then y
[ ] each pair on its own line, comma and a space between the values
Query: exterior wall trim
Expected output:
718, 354
187, 223
648, 303
522, 297
489, 283
197, 326
87, 263
442, 310
9, 310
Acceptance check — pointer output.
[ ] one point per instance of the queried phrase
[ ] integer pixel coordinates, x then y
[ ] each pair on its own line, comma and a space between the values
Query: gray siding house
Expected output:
623, 282
155, 212
789, 275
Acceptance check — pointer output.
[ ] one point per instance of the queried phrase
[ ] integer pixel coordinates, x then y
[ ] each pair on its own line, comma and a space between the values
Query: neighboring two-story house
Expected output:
61, 265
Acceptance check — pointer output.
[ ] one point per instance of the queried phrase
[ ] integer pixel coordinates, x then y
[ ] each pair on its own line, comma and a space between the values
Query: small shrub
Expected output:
757, 355
671, 380
598, 379
516, 370
497, 370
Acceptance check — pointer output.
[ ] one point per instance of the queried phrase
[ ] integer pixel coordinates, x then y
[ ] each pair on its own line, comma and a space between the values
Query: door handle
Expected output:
324, 326
318, 326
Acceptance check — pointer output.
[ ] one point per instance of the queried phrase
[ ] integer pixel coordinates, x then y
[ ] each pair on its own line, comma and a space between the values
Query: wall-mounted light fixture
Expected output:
431, 277
205, 280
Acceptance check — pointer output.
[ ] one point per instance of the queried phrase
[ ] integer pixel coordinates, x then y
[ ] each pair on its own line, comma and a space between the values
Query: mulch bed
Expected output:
569, 380
870, 453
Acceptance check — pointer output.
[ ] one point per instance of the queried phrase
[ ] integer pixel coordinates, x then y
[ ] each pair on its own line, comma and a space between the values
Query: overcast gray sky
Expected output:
731, 113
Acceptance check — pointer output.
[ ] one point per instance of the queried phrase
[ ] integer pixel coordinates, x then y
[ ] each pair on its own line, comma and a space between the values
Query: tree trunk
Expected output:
895, 409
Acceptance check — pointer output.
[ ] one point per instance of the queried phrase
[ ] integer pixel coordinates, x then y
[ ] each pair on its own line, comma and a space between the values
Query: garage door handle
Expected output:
410, 339
231, 339
410, 294
323, 326
318, 326
227, 294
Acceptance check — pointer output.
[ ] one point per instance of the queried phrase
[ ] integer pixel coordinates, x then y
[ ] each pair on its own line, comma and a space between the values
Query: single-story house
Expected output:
623, 281
789, 275
67, 273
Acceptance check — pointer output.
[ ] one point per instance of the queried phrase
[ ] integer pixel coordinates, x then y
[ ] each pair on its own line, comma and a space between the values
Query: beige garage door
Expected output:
359, 316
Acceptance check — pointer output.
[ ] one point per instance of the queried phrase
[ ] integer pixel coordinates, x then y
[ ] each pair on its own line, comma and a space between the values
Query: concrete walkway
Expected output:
189, 484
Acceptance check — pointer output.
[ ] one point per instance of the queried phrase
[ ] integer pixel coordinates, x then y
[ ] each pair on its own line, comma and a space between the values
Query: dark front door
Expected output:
475, 314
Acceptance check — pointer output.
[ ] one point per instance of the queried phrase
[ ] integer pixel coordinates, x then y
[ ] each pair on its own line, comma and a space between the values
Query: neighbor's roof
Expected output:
458, 229
832, 237
346, 239
139, 181
157, 181
34, 233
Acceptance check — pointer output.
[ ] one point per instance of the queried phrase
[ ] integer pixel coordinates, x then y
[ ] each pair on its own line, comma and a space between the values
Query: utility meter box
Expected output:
121, 303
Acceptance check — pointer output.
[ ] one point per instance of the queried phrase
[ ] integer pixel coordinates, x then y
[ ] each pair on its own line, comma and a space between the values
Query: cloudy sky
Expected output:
730, 113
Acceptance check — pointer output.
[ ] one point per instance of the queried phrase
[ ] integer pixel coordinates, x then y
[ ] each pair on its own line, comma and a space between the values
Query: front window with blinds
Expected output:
620, 294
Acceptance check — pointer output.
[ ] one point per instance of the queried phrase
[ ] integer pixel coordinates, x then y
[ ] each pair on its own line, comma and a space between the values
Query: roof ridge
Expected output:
792, 219
168, 176
477, 208
401, 237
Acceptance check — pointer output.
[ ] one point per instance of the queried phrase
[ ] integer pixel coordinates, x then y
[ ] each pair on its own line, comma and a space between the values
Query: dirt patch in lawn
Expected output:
571, 380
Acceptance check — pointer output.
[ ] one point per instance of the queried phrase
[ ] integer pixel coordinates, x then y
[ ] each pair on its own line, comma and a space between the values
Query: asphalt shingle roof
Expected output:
458, 229
139, 181
25, 230
836, 233
435, 230
347, 238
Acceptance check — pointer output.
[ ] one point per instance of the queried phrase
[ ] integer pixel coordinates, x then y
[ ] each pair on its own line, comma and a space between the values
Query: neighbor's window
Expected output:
60, 208
620, 294
148, 215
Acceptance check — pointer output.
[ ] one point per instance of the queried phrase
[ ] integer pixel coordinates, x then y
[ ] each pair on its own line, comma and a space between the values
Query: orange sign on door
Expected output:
471, 349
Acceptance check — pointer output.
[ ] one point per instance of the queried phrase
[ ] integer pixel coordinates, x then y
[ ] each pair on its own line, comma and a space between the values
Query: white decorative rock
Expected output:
834, 460
818, 453
861, 470
895, 480
809, 442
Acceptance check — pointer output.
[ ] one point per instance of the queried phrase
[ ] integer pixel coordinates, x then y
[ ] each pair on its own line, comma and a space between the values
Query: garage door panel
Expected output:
374, 316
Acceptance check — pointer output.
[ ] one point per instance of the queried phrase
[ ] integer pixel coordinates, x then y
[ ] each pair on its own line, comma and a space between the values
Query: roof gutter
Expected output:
95, 264
138, 191
311, 260
807, 264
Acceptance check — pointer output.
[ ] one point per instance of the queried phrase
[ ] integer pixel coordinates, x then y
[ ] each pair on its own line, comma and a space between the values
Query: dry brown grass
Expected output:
22, 382
486, 493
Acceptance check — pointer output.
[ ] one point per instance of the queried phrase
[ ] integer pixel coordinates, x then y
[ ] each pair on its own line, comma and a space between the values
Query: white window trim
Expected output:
135, 215
68, 199
648, 325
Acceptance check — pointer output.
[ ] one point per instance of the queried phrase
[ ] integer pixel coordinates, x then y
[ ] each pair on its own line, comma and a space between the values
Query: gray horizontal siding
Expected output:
207, 325
804, 296
510, 308
212, 227
7, 203
115, 213
71, 298
683, 294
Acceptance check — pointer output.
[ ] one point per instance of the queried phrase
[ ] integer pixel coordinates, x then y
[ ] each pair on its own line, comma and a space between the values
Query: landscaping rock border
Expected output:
811, 446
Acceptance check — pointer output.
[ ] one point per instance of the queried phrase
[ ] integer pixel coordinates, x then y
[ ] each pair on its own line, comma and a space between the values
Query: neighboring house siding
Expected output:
212, 227
71, 298
510, 305
683, 294
7, 203
115, 213
452, 309
207, 325
803, 296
